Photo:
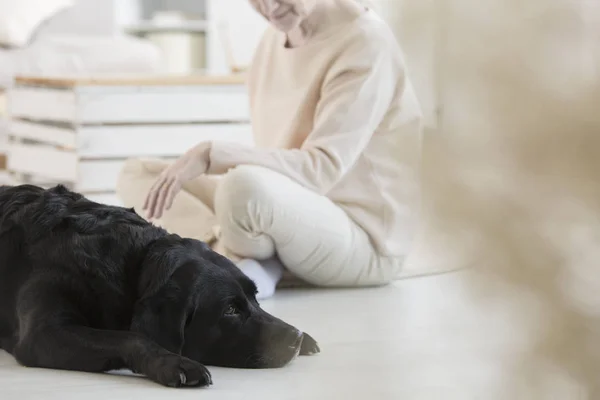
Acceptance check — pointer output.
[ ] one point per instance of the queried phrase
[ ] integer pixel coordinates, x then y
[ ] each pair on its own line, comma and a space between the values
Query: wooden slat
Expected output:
101, 142
177, 104
43, 162
131, 105
64, 137
42, 104
132, 80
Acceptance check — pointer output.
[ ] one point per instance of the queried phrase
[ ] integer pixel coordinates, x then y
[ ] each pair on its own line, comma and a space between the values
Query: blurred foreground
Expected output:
513, 176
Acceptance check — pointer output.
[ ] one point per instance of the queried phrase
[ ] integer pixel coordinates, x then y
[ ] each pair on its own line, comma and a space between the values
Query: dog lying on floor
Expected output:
91, 287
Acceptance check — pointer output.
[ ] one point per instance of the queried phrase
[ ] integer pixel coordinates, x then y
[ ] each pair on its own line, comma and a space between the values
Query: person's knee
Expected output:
245, 200
244, 186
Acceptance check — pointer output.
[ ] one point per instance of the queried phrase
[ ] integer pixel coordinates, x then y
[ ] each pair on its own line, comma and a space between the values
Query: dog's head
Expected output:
197, 303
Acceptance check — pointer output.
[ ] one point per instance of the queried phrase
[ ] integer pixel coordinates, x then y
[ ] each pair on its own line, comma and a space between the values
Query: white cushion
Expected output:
86, 17
19, 19
82, 55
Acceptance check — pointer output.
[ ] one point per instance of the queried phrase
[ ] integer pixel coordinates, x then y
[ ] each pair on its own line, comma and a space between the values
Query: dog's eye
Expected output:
231, 310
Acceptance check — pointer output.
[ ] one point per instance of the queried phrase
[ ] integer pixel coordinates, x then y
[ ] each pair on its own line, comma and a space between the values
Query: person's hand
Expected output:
192, 164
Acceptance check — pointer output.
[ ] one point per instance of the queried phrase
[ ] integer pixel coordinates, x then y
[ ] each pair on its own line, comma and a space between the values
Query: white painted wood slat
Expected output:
42, 104
64, 137
100, 142
131, 104
148, 104
42, 161
155, 140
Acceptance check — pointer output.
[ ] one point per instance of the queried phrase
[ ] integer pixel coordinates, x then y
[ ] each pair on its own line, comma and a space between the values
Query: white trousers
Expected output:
263, 214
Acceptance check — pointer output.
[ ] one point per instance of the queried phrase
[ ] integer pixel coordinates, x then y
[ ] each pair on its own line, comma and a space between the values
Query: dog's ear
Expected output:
163, 310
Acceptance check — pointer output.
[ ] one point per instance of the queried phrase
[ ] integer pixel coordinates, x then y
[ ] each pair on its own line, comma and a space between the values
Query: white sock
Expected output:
265, 274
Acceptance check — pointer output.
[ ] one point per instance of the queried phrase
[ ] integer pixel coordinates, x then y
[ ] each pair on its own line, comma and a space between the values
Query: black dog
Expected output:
90, 287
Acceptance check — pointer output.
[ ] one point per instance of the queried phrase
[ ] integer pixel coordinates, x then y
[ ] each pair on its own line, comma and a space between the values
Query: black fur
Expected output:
90, 287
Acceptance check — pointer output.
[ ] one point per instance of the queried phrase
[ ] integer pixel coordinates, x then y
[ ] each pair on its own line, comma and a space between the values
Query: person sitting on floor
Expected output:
331, 190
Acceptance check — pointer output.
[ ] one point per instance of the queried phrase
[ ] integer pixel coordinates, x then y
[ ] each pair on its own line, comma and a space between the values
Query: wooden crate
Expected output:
80, 132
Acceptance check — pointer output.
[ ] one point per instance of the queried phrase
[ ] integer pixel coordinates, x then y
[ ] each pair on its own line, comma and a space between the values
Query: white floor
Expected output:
421, 338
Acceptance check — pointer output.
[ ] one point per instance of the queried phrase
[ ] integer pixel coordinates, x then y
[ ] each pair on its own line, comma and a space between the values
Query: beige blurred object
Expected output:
512, 172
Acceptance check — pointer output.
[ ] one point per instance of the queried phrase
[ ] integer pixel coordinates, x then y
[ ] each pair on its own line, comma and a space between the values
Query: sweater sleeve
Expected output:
355, 97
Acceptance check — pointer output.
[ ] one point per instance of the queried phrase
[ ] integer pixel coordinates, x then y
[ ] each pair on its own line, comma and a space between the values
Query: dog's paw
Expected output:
176, 371
309, 346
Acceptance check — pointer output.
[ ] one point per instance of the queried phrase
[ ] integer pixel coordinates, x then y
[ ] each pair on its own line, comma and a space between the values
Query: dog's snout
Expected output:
286, 336
291, 337
295, 338
298, 338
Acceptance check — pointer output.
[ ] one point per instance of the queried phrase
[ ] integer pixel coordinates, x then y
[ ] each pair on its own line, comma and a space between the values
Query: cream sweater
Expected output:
339, 116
